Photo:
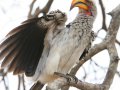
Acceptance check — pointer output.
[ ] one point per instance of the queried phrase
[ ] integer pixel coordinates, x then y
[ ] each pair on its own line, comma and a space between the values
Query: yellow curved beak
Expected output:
82, 4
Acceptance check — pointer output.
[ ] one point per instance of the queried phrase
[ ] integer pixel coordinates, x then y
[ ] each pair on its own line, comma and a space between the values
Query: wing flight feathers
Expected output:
22, 48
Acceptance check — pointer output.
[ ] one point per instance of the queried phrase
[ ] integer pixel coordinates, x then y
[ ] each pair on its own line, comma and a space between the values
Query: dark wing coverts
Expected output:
22, 48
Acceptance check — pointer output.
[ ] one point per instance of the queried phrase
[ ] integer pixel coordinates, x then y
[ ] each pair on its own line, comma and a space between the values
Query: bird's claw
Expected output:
68, 77
72, 77
49, 17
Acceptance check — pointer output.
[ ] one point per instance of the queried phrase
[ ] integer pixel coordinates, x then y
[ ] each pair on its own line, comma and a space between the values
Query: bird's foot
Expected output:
49, 17
72, 77
68, 77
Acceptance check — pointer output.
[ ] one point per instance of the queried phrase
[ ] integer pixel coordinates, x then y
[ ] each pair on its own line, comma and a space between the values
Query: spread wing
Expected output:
22, 48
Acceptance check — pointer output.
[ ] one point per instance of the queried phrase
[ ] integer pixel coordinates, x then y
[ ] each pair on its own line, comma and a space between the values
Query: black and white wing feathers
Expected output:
23, 46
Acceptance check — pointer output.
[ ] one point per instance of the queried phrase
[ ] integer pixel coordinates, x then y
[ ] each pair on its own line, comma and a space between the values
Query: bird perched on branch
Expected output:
69, 44
40, 52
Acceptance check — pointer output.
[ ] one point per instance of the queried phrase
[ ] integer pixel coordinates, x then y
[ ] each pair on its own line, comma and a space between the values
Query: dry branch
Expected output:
45, 9
37, 11
111, 37
104, 26
118, 42
31, 8
104, 15
118, 73
23, 82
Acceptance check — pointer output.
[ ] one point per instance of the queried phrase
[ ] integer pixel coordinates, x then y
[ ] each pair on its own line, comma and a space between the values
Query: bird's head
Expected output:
85, 6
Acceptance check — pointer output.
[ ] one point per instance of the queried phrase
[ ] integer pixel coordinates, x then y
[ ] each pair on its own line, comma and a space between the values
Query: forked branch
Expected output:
44, 10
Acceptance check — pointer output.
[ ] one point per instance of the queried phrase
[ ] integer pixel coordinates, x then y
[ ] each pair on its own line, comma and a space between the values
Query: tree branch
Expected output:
104, 16
45, 9
31, 8
19, 82
111, 36
5, 83
104, 26
23, 82
118, 73
118, 42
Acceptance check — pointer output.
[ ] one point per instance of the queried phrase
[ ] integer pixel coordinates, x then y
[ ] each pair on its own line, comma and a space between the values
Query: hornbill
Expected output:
69, 44
65, 48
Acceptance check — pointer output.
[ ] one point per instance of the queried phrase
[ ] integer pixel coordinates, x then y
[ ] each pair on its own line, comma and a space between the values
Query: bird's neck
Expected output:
82, 17
82, 22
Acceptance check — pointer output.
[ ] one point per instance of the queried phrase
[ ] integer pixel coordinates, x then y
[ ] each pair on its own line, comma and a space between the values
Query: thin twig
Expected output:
104, 16
5, 84
44, 10
31, 8
23, 82
118, 42
118, 73
19, 82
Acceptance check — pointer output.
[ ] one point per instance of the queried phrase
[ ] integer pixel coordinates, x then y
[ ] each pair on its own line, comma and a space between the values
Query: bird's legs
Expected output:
68, 77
